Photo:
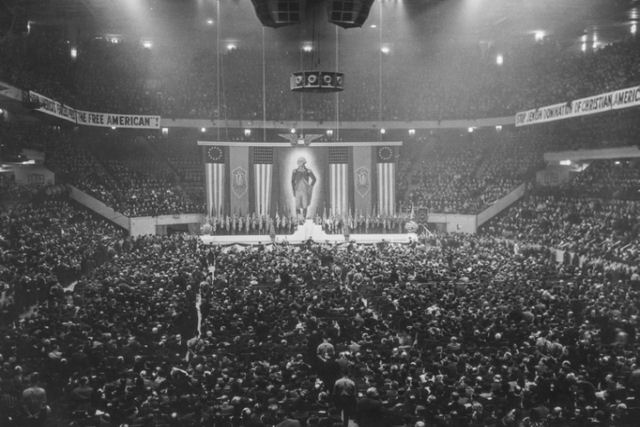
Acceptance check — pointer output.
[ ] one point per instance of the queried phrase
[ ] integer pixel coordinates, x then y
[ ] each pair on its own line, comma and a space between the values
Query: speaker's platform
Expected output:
304, 232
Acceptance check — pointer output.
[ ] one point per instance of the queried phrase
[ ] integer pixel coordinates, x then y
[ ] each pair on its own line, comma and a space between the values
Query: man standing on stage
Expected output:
302, 182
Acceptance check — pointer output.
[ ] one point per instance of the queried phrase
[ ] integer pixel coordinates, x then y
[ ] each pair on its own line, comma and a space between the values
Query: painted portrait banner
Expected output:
302, 181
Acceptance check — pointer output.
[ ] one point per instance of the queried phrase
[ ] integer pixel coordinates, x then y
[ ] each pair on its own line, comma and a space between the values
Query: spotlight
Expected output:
292, 130
539, 36
147, 44
471, 129
383, 131
385, 49
210, 21
165, 131
499, 59
329, 132
498, 128
307, 47
412, 132
203, 130
231, 46
247, 132
74, 53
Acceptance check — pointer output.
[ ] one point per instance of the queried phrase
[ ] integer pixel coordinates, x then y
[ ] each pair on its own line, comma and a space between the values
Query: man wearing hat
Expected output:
302, 182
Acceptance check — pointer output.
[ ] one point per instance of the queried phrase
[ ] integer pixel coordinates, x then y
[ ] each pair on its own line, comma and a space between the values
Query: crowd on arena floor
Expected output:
467, 330
459, 332
47, 242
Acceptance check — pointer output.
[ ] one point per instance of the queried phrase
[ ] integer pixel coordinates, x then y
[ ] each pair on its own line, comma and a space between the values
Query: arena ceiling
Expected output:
414, 24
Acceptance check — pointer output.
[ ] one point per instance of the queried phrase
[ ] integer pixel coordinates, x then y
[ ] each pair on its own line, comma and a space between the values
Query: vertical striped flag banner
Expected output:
263, 179
386, 171
239, 180
214, 171
338, 180
363, 179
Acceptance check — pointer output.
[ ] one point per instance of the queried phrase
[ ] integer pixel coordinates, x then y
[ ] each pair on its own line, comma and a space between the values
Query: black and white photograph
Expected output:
319, 213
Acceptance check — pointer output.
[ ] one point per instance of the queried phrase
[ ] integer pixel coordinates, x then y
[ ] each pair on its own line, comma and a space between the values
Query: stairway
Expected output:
310, 230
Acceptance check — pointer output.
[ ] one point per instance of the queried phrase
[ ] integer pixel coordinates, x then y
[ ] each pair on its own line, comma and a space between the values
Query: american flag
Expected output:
214, 170
386, 168
263, 178
338, 181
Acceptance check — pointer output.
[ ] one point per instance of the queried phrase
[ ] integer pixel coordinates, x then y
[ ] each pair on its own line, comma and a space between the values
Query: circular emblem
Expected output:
327, 79
312, 78
214, 153
339, 80
385, 153
298, 80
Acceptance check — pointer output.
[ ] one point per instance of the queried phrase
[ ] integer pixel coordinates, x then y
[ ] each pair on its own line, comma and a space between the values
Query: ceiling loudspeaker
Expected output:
317, 81
348, 13
279, 13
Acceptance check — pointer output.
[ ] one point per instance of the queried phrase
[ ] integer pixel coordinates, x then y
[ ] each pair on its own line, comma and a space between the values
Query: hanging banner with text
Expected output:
87, 118
616, 100
52, 107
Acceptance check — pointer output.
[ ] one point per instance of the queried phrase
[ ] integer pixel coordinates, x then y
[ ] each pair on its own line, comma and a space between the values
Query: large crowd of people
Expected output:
589, 227
124, 77
456, 172
488, 330
125, 173
594, 215
533, 322
47, 242
461, 331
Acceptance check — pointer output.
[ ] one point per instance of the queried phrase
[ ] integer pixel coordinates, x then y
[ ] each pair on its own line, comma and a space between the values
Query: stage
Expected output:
303, 233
